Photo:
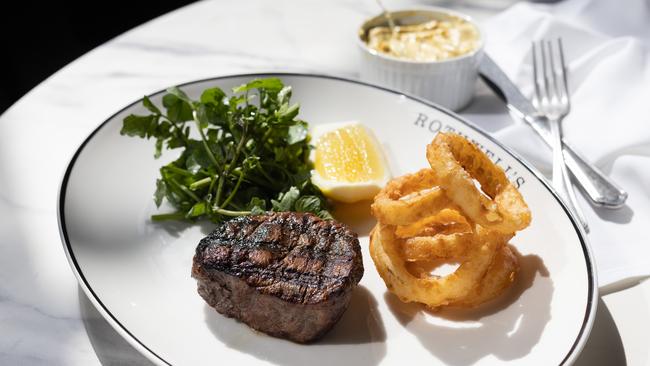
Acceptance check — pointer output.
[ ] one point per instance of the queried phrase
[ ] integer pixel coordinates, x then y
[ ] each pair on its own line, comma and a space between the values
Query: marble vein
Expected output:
44, 319
40, 317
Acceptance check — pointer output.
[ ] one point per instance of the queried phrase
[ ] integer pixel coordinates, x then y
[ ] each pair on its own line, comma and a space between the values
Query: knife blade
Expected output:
602, 191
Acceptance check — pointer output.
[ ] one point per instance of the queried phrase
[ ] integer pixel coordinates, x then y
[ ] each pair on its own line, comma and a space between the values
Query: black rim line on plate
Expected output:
89, 291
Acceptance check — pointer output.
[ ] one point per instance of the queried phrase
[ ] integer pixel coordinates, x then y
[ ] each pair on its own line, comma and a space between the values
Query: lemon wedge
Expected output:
349, 165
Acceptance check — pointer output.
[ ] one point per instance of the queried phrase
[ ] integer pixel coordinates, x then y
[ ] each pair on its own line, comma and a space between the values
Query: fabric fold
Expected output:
609, 123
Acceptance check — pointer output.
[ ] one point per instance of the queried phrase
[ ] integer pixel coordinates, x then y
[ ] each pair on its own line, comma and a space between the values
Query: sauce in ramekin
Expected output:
436, 40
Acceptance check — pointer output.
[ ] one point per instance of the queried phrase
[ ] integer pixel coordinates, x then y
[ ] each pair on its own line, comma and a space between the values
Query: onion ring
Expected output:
455, 162
439, 215
424, 248
403, 202
451, 246
447, 221
432, 291
500, 275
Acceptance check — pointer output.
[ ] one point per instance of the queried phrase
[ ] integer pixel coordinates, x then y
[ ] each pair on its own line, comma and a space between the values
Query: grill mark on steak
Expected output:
308, 257
289, 265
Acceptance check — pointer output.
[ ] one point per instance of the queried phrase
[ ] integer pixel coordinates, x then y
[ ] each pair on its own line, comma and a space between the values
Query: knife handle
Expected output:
602, 191
600, 188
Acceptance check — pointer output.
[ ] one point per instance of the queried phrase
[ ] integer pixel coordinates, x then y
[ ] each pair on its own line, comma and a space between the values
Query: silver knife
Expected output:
602, 191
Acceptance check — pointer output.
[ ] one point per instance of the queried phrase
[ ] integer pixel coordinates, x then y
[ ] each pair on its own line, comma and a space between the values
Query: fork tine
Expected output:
538, 96
563, 71
555, 107
546, 70
555, 91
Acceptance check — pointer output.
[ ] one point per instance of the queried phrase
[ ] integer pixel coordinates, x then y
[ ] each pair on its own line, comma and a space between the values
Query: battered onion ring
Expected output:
451, 246
439, 214
402, 201
433, 291
424, 248
500, 275
446, 222
455, 161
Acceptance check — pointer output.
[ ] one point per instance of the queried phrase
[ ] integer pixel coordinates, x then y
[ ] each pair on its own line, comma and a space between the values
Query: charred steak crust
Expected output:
287, 274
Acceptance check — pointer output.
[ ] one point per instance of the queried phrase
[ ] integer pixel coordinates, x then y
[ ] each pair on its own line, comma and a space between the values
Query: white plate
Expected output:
137, 273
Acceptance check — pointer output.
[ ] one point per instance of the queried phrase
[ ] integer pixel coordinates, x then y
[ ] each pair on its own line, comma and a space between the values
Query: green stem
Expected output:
234, 191
239, 147
266, 135
227, 170
212, 183
185, 190
230, 212
217, 196
169, 216
205, 141
200, 183
178, 170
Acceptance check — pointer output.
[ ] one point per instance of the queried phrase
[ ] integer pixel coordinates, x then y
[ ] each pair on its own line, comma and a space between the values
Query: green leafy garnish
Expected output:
241, 154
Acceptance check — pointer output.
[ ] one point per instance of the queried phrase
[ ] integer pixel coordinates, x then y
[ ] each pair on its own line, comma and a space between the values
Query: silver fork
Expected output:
552, 100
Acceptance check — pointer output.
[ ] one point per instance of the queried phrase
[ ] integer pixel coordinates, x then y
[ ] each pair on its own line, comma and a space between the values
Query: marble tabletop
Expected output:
45, 318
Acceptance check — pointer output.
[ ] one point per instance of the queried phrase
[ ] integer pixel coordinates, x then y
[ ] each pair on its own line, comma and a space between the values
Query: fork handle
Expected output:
561, 180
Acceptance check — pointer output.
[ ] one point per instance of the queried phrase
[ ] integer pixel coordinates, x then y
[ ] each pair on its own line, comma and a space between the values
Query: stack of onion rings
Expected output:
440, 215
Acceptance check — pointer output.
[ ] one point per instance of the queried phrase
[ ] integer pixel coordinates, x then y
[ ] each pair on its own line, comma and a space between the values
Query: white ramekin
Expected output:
449, 83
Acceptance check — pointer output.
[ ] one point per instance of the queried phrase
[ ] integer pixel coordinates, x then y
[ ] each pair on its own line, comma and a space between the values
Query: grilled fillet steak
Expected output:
287, 274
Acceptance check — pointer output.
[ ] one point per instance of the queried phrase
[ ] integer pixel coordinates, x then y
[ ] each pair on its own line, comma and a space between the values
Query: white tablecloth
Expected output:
44, 318
608, 56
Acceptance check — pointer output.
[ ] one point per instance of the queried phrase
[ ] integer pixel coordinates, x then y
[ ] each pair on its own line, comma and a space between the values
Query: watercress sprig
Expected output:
241, 154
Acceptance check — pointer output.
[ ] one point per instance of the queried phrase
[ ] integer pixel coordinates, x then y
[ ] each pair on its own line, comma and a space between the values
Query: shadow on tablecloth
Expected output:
604, 346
